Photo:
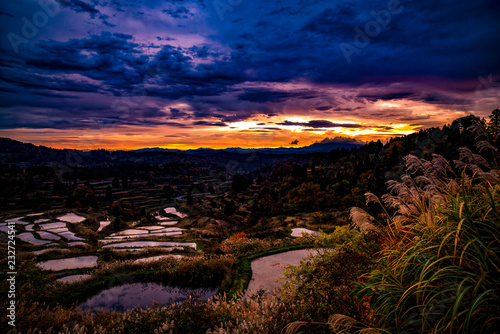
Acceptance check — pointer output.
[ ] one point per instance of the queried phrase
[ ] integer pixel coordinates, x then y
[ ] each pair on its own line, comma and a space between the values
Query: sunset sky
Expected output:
123, 74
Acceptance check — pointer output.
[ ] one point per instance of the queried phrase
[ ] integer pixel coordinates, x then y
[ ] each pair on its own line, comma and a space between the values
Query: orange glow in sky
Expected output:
294, 121
256, 133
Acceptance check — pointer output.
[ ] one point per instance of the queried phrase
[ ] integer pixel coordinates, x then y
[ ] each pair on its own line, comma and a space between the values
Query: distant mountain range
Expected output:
326, 145
16, 152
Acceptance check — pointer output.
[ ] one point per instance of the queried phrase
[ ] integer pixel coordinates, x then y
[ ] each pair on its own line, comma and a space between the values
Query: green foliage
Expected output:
440, 271
241, 272
322, 283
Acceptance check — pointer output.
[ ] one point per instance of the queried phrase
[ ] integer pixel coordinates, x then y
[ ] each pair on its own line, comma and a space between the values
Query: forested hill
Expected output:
25, 154
12, 151
339, 179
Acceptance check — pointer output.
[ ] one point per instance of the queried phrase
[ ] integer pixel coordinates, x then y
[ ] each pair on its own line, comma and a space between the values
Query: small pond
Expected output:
58, 230
30, 238
16, 220
138, 249
71, 218
70, 236
50, 226
135, 244
103, 224
130, 232
69, 263
73, 278
48, 236
168, 223
267, 269
45, 250
142, 295
151, 228
173, 211
299, 232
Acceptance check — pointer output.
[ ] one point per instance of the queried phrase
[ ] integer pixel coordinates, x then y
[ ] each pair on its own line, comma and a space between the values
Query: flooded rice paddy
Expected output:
299, 232
266, 270
142, 295
69, 263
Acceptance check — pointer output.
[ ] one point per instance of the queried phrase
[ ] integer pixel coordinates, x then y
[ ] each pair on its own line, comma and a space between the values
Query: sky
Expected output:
125, 74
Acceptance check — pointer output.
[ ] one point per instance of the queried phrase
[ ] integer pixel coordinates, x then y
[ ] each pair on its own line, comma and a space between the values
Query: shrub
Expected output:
440, 272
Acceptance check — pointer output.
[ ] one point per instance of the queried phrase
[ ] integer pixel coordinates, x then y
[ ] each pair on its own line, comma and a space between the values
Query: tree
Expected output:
168, 191
109, 194
395, 156
229, 208
116, 183
189, 197
298, 171
117, 223
115, 209
57, 187
250, 180
238, 183
494, 123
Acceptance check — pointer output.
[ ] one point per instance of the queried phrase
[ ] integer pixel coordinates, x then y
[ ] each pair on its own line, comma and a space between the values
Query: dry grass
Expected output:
440, 272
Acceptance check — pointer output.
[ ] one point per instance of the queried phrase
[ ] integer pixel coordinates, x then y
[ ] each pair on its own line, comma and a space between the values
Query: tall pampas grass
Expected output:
362, 219
443, 273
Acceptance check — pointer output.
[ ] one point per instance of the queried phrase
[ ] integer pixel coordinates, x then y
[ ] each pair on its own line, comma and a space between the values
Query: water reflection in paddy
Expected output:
266, 270
28, 237
143, 295
69, 263
71, 218
49, 226
299, 232
134, 244
48, 236
102, 225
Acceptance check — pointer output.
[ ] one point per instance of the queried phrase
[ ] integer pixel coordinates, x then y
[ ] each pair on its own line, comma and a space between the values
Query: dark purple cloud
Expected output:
83, 7
225, 65
262, 96
386, 97
321, 124
218, 124
178, 13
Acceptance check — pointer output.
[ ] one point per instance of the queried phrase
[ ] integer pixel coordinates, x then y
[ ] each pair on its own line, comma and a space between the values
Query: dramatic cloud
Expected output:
265, 96
83, 7
321, 124
249, 73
